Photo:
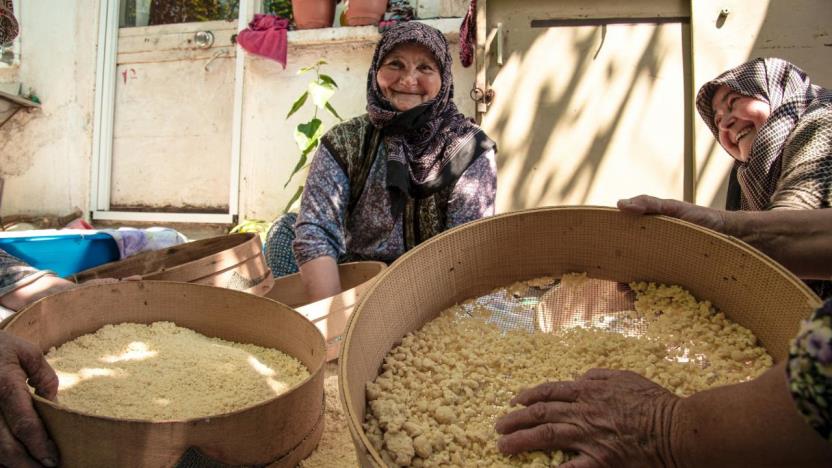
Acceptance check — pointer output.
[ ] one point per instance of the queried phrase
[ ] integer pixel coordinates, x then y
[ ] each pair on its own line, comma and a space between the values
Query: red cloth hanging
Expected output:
468, 35
266, 36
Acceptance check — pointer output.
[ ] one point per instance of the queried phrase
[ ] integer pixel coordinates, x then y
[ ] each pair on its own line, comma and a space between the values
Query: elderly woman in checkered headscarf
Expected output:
778, 126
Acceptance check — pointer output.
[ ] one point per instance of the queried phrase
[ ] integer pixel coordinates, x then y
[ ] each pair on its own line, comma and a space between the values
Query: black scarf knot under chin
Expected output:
404, 125
400, 184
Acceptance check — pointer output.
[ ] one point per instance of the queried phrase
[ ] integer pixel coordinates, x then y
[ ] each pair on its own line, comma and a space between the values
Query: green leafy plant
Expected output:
257, 226
308, 134
281, 8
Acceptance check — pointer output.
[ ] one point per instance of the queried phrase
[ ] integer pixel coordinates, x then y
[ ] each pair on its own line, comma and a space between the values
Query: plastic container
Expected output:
64, 252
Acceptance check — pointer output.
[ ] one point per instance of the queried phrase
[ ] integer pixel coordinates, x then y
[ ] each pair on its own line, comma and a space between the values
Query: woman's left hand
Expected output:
610, 418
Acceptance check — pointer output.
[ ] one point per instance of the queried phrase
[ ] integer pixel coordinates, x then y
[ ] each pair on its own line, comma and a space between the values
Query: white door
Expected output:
168, 134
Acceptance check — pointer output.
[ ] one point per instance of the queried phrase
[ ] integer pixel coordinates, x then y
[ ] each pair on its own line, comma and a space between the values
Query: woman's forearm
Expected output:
320, 278
754, 423
801, 240
41, 287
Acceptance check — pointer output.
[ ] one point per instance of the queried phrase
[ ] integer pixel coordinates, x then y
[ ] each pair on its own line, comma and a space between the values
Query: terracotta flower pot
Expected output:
364, 12
310, 14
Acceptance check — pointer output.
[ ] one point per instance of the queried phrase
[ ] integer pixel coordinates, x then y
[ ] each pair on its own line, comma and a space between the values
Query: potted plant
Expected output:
281, 8
308, 134
307, 137
364, 12
311, 14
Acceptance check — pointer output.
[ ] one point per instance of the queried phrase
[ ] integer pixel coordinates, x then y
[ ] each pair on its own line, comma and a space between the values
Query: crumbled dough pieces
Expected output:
440, 391
165, 372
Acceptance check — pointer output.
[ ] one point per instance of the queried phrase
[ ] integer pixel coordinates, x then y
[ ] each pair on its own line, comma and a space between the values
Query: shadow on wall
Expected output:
582, 128
800, 32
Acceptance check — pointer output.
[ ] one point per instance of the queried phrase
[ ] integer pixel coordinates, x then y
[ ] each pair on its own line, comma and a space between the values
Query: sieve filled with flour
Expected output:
456, 327
162, 372
168, 374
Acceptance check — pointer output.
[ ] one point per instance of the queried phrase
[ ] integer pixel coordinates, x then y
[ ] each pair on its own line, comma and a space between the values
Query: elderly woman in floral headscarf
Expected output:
768, 115
9, 27
410, 168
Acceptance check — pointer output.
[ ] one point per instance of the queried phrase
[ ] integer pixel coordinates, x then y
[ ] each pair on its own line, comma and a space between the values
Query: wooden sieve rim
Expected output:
300, 386
243, 245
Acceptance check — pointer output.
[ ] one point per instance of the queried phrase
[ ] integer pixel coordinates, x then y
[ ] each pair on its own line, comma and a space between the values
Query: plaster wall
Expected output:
45, 153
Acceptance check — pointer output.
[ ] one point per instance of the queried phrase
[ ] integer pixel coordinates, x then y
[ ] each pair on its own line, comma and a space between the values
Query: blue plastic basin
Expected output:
63, 253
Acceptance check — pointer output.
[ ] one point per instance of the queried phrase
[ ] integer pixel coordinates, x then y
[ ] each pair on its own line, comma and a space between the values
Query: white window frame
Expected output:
102, 150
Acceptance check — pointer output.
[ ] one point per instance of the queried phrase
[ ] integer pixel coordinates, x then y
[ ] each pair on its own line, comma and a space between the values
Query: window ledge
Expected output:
364, 34
18, 100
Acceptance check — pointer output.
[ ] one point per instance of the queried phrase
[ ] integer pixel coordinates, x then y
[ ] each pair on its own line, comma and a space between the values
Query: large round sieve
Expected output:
474, 259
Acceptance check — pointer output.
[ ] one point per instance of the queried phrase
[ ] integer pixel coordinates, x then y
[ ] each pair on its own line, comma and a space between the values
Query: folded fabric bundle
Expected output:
266, 37
132, 241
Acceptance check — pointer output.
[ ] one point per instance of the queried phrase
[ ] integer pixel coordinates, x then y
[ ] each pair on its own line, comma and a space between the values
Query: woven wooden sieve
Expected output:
473, 259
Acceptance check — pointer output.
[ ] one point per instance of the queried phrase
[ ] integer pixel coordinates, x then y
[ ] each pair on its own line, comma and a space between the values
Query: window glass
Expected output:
134, 13
7, 54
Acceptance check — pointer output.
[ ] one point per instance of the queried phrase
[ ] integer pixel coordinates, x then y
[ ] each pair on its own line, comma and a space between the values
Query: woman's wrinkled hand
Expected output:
645, 204
23, 438
609, 418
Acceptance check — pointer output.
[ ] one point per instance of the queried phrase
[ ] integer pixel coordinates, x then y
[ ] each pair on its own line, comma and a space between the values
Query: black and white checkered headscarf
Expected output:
789, 92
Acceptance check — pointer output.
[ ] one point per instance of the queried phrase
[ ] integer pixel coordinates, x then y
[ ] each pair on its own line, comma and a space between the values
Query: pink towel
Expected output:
266, 36
468, 35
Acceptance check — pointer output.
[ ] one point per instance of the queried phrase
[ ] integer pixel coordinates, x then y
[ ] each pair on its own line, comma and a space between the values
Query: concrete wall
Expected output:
45, 153
603, 106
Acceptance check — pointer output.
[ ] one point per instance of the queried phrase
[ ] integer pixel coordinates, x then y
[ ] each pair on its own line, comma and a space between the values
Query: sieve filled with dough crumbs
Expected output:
455, 328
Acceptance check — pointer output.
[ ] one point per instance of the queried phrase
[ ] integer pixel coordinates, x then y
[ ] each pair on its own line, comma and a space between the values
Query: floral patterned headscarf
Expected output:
789, 92
8, 24
429, 146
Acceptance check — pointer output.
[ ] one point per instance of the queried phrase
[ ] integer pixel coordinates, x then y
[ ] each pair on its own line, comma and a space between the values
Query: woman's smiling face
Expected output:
738, 118
409, 75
